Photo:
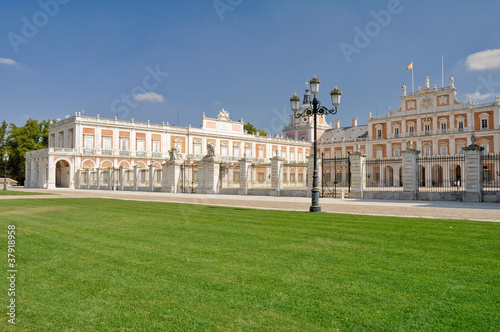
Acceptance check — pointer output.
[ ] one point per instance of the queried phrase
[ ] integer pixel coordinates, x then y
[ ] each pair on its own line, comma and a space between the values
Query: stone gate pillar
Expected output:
410, 172
358, 174
473, 172
172, 172
276, 175
98, 174
151, 177
136, 177
122, 177
210, 171
111, 177
244, 174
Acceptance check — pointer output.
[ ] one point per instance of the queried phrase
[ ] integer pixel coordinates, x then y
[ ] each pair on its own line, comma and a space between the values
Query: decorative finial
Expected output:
473, 139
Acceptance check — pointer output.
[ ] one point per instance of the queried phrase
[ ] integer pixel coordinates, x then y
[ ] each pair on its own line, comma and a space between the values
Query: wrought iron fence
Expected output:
441, 173
189, 177
384, 174
335, 176
491, 173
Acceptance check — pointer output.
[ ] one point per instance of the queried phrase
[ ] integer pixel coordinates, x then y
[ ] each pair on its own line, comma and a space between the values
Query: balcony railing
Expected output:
107, 152
157, 155
124, 153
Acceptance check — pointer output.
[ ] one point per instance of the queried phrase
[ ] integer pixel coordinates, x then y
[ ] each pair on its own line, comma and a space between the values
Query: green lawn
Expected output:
95, 264
10, 192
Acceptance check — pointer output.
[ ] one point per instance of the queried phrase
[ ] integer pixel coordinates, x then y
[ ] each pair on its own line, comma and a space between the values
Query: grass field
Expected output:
22, 193
96, 264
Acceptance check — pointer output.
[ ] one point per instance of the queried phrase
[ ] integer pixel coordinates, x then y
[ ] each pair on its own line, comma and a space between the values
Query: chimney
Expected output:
336, 124
354, 122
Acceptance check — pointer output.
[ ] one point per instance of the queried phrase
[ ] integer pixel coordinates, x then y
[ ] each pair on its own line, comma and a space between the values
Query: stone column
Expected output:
89, 175
473, 172
276, 175
244, 174
410, 172
136, 177
210, 175
358, 174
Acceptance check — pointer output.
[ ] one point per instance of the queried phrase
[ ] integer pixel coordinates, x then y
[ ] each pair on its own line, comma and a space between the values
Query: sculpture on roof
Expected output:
452, 82
223, 115
404, 89
426, 81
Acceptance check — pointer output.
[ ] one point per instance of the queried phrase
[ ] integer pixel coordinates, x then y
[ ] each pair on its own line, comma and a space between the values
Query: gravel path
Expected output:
418, 209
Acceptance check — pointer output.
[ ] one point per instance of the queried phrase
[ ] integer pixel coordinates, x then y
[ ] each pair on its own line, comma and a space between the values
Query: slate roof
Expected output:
347, 133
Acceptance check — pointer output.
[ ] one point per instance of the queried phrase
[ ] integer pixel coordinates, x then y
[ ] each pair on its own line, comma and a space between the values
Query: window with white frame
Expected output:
379, 153
301, 156
156, 146
460, 125
197, 147
443, 150
223, 150
88, 141
396, 152
485, 144
141, 145
60, 142
283, 154
292, 155
236, 150
484, 123
106, 143
443, 127
124, 144
427, 128
248, 151
427, 150
396, 132
379, 133
261, 153
411, 130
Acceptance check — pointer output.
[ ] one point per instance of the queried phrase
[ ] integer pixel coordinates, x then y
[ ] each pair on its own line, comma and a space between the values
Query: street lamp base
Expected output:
315, 209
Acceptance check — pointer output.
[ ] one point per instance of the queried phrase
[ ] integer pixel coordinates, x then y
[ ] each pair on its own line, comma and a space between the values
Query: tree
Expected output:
32, 136
252, 130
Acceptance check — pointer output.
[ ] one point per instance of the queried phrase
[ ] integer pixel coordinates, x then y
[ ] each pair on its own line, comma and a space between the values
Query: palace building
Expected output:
430, 120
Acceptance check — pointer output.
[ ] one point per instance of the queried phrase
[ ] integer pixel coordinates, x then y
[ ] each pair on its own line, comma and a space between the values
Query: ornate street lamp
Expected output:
314, 110
5, 160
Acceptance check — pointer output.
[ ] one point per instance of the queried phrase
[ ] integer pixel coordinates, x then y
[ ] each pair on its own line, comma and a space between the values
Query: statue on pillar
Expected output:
174, 154
452, 82
404, 89
211, 149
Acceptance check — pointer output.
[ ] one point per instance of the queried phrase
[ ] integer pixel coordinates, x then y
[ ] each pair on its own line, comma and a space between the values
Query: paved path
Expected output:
419, 209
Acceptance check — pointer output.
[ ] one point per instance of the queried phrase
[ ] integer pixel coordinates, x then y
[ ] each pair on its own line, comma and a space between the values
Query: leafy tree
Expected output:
33, 135
3, 146
252, 130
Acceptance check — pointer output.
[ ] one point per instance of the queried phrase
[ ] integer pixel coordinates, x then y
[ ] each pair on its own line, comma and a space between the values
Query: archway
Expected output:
62, 174
437, 176
421, 175
389, 176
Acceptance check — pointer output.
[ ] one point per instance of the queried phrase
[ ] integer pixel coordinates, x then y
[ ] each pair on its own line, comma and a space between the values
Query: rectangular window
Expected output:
444, 150
89, 142
338, 177
301, 177
460, 126
411, 130
156, 146
248, 151
284, 177
236, 151
379, 153
427, 151
106, 143
484, 123
301, 156
292, 155
396, 132
236, 177
292, 177
283, 154
124, 144
396, 153
197, 148
140, 145
379, 133
261, 153
223, 150
443, 127
427, 129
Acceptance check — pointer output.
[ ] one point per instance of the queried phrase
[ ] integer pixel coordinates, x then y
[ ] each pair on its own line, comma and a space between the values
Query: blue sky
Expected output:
163, 60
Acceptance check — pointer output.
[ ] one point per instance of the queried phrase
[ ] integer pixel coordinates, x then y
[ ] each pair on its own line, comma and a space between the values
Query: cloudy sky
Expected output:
173, 60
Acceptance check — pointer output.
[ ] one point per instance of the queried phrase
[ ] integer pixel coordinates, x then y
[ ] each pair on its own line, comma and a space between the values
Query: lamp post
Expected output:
5, 159
313, 110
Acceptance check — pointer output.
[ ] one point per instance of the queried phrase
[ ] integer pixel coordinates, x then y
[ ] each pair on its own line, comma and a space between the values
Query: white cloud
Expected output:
149, 96
479, 96
488, 59
8, 62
